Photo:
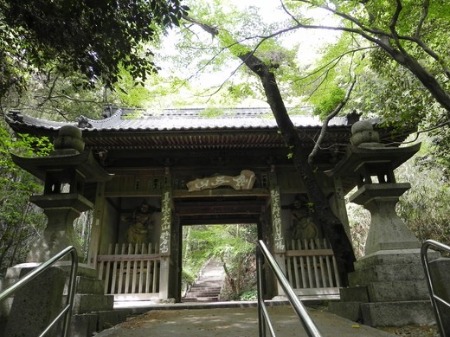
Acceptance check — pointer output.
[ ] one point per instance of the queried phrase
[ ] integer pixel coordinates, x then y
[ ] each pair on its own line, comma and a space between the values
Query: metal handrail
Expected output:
263, 316
67, 310
437, 246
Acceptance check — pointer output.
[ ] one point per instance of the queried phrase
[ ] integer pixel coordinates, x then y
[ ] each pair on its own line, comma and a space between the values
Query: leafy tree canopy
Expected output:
386, 39
396, 51
20, 220
93, 38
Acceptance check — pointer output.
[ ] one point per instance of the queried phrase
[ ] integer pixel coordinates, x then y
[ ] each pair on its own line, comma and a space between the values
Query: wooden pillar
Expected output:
279, 246
99, 208
165, 238
176, 260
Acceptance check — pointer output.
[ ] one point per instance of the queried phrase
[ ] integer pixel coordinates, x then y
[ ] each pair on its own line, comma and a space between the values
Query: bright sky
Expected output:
310, 41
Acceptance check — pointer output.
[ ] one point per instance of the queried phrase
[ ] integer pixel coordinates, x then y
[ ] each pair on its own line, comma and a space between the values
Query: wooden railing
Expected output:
130, 271
311, 268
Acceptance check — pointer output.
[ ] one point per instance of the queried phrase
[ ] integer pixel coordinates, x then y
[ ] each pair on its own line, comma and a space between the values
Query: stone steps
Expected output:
208, 286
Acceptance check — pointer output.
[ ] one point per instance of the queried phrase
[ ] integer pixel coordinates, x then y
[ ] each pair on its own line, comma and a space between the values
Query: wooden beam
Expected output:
221, 192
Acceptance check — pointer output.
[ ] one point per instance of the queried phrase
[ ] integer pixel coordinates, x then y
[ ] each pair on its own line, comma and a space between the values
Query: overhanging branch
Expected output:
333, 114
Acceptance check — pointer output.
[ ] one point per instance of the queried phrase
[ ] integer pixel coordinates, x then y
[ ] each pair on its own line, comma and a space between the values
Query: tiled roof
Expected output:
133, 130
177, 120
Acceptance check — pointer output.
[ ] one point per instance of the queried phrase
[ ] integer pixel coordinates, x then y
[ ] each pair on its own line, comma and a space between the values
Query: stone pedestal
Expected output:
388, 286
29, 313
35, 305
61, 211
387, 231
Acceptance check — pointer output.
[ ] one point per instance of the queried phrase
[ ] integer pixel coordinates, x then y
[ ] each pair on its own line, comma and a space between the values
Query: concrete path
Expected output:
233, 322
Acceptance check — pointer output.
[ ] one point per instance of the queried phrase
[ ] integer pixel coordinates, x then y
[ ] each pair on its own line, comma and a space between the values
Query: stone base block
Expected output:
387, 257
398, 291
85, 303
349, 310
393, 275
354, 294
388, 272
86, 325
30, 314
85, 285
108, 319
397, 313
389, 288
386, 313
83, 325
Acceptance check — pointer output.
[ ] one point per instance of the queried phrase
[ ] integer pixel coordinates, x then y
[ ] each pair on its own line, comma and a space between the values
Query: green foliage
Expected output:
397, 97
130, 93
240, 91
20, 221
234, 245
325, 84
91, 38
250, 295
328, 101
440, 149
212, 112
425, 207
61, 98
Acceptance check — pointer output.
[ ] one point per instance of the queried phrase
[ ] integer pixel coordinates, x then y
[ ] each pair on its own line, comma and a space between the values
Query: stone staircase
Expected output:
208, 285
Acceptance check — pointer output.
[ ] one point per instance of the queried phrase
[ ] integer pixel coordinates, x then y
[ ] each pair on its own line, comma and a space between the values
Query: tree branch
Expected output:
207, 28
333, 114
395, 17
424, 15
363, 28
399, 55
332, 225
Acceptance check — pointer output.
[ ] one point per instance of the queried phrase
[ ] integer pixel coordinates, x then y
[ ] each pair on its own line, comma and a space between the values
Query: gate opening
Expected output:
218, 262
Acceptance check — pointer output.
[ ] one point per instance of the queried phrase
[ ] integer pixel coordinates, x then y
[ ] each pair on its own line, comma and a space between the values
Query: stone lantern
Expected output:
70, 174
65, 172
373, 165
387, 287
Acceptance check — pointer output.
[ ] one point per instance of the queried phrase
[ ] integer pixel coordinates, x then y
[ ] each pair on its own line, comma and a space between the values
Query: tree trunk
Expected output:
333, 227
230, 278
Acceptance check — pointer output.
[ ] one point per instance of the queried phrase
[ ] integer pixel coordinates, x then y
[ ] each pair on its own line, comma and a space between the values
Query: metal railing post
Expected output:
71, 291
433, 297
260, 289
264, 318
263, 254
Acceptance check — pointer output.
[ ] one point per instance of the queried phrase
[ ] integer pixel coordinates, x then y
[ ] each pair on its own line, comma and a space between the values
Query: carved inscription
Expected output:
166, 220
276, 220
244, 181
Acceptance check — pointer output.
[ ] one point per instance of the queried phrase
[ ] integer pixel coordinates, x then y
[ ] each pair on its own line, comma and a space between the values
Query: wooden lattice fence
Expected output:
130, 271
311, 268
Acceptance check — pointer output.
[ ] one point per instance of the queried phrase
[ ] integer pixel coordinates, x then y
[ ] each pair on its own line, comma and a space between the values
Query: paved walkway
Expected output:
233, 322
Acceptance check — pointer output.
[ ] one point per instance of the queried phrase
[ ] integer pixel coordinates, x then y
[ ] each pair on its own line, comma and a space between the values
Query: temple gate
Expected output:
176, 168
